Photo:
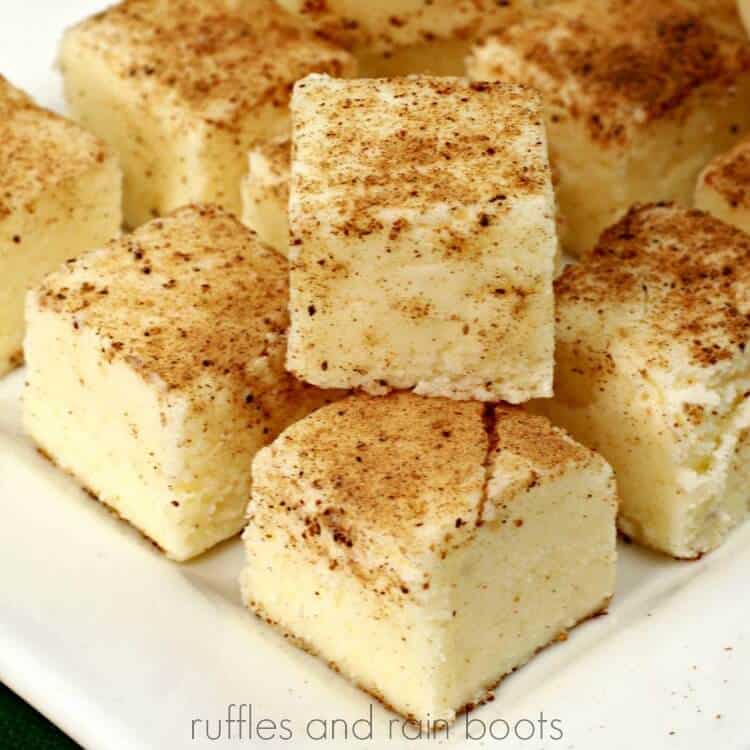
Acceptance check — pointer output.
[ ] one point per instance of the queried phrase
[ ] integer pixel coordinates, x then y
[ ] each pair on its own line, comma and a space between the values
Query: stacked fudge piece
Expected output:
377, 357
173, 337
427, 541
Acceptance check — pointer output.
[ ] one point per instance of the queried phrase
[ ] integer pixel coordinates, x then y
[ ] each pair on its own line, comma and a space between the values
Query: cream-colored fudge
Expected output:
640, 95
724, 187
405, 37
265, 192
60, 193
423, 238
653, 371
424, 547
182, 88
156, 371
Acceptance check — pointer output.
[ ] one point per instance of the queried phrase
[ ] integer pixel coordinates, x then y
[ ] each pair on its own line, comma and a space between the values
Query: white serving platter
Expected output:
125, 650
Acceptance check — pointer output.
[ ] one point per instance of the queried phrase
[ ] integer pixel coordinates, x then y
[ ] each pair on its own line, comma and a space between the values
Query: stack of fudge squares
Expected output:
429, 430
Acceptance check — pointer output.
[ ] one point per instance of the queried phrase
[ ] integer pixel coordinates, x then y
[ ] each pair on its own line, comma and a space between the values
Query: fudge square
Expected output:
403, 37
59, 195
653, 371
423, 238
724, 187
639, 96
426, 547
265, 192
182, 88
156, 371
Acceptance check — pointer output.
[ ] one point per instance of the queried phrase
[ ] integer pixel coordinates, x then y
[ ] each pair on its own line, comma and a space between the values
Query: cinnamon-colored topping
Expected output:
218, 59
729, 175
618, 65
276, 154
38, 150
458, 140
373, 26
680, 278
532, 439
192, 300
405, 473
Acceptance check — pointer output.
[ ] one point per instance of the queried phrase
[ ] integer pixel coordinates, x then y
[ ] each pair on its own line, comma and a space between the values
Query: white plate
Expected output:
123, 649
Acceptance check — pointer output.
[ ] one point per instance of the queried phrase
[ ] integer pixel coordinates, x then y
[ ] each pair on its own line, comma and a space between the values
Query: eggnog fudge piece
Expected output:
183, 88
653, 371
423, 238
404, 37
265, 193
424, 547
639, 96
60, 191
156, 371
724, 187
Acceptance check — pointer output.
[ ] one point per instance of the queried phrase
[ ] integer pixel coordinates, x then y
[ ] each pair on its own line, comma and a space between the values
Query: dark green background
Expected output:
22, 728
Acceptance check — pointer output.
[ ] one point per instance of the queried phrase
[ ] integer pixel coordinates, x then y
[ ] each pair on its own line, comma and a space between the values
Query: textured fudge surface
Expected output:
386, 26
183, 88
38, 150
433, 545
168, 373
639, 96
423, 238
59, 196
653, 370
724, 187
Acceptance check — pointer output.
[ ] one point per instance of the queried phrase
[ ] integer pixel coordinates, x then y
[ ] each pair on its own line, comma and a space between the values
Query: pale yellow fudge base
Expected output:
443, 57
595, 186
684, 506
541, 564
69, 218
154, 451
265, 193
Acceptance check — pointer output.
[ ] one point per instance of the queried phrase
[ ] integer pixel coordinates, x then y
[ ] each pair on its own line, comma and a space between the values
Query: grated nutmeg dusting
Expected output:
218, 60
618, 65
192, 299
402, 473
456, 142
681, 279
729, 175
376, 27
39, 149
